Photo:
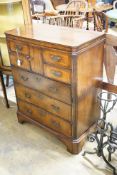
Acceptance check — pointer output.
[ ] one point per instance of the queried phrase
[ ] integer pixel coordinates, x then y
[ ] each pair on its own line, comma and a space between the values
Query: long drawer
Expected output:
56, 107
59, 91
45, 118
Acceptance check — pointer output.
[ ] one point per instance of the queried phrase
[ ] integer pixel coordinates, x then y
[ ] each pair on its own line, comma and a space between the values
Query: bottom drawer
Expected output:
45, 118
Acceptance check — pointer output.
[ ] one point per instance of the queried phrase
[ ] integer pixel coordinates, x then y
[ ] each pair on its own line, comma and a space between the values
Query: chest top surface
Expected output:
64, 36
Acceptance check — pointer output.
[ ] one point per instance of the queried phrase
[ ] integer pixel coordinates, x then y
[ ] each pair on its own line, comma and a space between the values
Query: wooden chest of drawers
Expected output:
56, 72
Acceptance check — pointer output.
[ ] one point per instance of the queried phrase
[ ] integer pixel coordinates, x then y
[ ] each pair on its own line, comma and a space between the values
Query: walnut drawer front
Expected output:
62, 75
17, 46
20, 60
45, 118
57, 58
30, 61
56, 107
49, 87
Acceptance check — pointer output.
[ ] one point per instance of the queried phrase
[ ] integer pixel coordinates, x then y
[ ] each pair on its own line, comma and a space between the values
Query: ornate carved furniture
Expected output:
56, 72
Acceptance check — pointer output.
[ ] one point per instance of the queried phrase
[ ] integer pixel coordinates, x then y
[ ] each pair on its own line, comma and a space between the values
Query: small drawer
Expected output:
56, 107
20, 60
45, 118
18, 46
57, 90
57, 74
57, 58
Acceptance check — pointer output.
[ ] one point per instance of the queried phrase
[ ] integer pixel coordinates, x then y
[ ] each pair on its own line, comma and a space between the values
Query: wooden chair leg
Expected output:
4, 89
7, 80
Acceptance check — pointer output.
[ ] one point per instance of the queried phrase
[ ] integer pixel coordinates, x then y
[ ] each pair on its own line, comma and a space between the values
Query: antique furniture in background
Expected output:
59, 2
56, 75
67, 20
110, 62
13, 13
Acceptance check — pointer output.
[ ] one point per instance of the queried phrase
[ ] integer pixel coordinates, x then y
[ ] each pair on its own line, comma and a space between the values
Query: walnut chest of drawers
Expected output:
56, 72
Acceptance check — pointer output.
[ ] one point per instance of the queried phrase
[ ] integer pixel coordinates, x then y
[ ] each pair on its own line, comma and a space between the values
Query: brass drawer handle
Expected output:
56, 74
55, 58
24, 78
29, 111
56, 108
56, 124
53, 89
18, 48
27, 95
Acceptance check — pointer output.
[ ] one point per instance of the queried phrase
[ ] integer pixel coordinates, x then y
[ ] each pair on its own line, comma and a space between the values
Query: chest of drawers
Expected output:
56, 72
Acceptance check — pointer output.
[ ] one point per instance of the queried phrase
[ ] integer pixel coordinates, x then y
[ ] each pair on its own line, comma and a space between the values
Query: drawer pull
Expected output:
55, 58
56, 108
27, 95
29, 111
18, 48
56, 74
53, 89
56, 124
24, 78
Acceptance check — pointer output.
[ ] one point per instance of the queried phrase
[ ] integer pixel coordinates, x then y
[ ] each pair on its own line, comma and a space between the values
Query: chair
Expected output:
74, 14
100, 21
67, 20
76, 7
110, 54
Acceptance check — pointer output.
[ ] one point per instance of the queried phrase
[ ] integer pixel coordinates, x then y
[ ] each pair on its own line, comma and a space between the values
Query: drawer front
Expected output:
45, 118
29, 58
56, 107
62, 75
18, 46
51, 88
57, 58
19, 61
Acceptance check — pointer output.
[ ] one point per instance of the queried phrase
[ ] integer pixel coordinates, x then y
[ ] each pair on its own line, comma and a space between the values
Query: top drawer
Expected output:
18, 46
57, 58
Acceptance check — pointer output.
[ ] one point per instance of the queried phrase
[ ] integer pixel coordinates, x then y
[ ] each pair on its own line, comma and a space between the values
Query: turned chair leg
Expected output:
4, 89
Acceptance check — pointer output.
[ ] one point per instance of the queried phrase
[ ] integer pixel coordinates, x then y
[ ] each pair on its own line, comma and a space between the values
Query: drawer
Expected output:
57, 58
45, 118
20, 47
56, 107
20, 60
33, 61
49, 87
62, 75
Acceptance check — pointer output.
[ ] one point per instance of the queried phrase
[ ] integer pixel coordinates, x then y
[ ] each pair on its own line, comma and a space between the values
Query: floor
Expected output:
29, 150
